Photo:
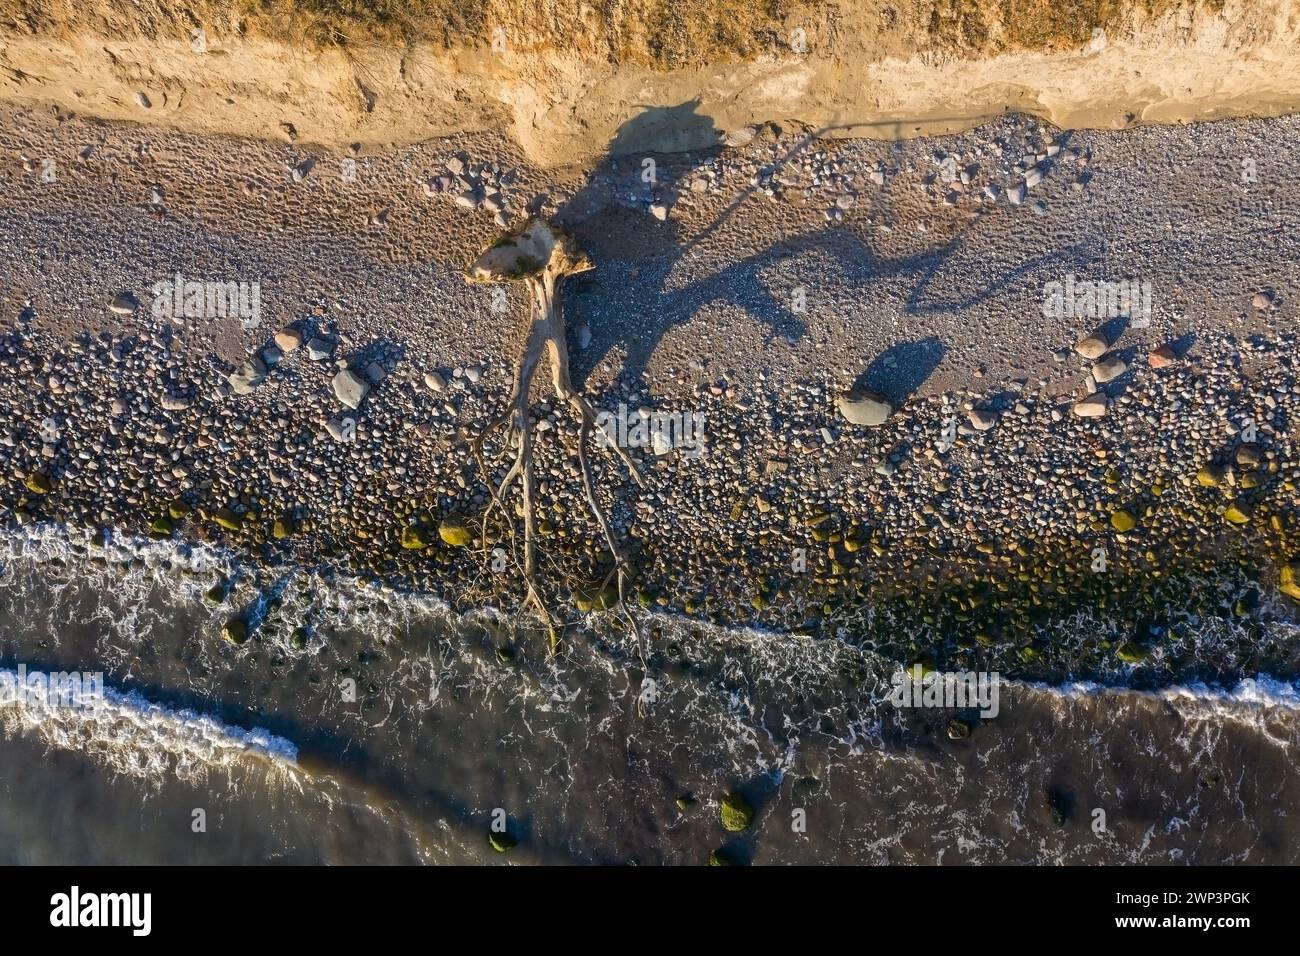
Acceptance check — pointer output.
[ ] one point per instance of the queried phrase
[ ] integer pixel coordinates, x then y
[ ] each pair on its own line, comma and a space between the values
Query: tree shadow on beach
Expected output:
647, 279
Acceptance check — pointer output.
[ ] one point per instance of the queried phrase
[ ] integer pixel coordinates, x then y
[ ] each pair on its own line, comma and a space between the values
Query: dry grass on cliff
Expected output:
662, 34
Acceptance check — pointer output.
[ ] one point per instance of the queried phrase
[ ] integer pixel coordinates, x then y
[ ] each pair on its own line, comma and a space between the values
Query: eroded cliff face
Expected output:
572, 80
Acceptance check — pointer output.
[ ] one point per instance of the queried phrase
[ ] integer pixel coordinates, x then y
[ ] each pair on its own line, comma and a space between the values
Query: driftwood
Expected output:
542, 256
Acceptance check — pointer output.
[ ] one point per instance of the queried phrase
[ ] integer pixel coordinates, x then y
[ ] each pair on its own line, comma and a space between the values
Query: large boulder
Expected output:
864, 408
248, 376
736, 813
1094, 406
350, 388
455, 531
1289, 580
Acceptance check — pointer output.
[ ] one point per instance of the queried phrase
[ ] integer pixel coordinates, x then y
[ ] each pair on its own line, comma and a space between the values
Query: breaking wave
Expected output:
131, 735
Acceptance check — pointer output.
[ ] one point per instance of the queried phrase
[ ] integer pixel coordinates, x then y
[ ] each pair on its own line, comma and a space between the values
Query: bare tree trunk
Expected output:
546, 336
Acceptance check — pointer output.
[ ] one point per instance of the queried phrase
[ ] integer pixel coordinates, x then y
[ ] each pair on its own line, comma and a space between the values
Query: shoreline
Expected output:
254, 591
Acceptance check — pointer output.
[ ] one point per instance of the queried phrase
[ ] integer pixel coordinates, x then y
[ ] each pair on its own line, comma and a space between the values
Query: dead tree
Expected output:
542, 256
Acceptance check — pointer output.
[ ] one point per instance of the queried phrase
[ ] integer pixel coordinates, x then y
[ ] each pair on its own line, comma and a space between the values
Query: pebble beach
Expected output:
1019, 400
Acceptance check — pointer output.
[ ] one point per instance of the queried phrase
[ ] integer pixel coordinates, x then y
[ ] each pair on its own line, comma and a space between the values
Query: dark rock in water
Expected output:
501, 842
806, 787
236, 630
299, 638
958, 729
736, 813
506, 653
218, 592
1058, 805
722, 857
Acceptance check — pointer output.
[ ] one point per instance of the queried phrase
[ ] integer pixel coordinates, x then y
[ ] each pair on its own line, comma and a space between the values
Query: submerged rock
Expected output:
1131, 653
218, 593
736, 813
235, 630
958, 729
228, 519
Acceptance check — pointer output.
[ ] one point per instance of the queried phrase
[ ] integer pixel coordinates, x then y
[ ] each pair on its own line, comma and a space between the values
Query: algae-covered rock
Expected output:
687, 802
282, 528
218, 592
958, 729
236, 630
1289, 580
736, 813
161, 527
720, 857
1122, 521
178, 509
501, 842
592, 599
1238, 513
415, 538
1209, 477
1131, 653
454, 530
228, 519
38, 483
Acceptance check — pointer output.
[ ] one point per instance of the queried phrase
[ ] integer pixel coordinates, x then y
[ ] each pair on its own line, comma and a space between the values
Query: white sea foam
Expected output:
132, 735
1252, 693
